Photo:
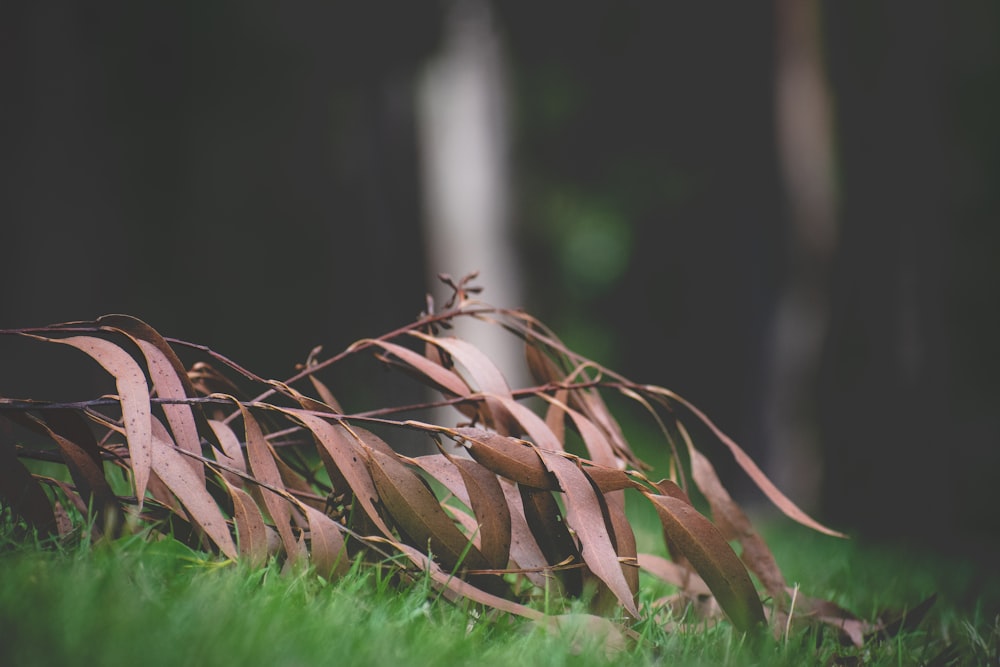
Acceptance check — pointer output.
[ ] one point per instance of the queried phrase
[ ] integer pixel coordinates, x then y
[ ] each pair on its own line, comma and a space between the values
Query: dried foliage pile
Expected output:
502, 515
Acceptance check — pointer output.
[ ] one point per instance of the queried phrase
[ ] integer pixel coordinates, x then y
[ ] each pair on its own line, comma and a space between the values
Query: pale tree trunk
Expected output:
804, 135
464, 144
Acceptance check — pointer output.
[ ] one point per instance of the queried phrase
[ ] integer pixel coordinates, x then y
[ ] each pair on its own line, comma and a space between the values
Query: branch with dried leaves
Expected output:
501, 514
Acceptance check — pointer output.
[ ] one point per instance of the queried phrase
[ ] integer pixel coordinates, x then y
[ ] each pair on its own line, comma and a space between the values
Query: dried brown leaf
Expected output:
779, 499
555, 415
439, 376
168, 376
713, 558
371, 440
344, 454
541, 366
264, 469
481, 368
231, 447
325, 394
518, 461
160, 492
484, 374
624, 539
230, 455
734, 524
610, 480
508, 457
585, 516
524, 550
490, 507
598, 446
442, 469
590, 403
548, 527
176, 472
670, 488
531, 424
467, 520
418, 514
326, 544
250, 529
133, 393
161, 435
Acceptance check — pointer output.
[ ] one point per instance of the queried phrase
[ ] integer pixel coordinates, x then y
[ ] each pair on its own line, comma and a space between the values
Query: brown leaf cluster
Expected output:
502, 515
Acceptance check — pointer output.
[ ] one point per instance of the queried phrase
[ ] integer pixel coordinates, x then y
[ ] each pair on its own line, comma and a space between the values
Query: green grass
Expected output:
159, 603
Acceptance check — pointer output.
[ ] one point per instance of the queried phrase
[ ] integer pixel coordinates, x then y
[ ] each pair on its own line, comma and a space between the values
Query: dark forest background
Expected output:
247, 175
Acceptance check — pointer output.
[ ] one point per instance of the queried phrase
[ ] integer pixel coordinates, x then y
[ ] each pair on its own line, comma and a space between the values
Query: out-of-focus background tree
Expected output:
786, 212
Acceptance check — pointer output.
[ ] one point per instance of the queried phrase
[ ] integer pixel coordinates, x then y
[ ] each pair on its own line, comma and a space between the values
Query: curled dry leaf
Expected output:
519, 461
713, 558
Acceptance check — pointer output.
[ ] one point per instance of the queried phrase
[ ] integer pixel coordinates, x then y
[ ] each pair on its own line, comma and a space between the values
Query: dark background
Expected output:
246, 175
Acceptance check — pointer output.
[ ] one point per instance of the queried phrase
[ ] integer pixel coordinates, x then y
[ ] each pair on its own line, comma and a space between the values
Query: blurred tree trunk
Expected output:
465, 142
804, 135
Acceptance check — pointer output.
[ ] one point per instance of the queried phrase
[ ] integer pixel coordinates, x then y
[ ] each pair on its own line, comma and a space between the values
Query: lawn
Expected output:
153, 603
